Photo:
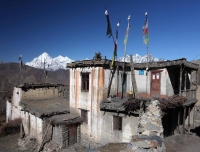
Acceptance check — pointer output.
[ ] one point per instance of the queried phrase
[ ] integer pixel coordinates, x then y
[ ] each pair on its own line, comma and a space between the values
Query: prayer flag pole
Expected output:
146, 42
125, 47
146, 36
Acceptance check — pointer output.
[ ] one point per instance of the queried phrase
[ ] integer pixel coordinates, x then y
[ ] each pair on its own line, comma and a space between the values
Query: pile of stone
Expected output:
150, 132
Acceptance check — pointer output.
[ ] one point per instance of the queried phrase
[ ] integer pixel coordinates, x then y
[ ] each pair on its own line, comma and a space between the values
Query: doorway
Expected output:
155, 83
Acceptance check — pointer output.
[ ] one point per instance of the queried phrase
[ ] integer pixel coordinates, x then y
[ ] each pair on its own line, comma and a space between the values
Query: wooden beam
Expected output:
134, 85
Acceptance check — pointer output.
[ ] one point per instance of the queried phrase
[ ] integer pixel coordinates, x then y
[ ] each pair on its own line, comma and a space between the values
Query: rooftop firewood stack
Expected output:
97, 56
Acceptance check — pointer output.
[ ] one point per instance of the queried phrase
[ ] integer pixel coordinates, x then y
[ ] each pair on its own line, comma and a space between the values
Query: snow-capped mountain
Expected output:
60, 62
140, 59
53, 64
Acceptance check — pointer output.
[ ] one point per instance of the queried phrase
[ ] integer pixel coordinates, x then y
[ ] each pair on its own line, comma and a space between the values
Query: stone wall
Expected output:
150, 132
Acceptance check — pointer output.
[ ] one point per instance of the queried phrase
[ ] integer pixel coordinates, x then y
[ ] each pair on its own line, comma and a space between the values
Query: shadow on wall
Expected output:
170, 122
196, 131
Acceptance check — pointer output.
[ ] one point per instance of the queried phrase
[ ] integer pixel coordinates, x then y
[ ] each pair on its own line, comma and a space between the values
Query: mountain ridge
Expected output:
59, 62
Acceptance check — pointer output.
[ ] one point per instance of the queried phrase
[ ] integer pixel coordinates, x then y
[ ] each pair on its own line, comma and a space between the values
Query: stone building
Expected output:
97, 94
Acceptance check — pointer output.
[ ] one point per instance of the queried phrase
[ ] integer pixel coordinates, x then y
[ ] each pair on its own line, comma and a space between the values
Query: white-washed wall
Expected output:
32, 125
8, 111
17, 93
143, 82
98, 80
107, 134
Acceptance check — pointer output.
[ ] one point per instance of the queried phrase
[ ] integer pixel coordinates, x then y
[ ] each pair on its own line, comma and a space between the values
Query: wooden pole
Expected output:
184, 115
180, 81
134, 85
189, 119
117, 80
194, 108
110, 81
185, 84
179, 121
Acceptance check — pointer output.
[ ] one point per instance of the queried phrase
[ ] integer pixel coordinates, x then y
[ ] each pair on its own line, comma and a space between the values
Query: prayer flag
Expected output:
127, 31
146, 31
115, 45
109, 29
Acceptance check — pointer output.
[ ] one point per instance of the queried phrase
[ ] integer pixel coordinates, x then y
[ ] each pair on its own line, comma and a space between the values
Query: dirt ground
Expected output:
9, 143
177, 143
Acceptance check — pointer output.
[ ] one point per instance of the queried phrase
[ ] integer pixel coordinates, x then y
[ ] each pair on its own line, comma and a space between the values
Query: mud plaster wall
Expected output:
33, 126
40, 93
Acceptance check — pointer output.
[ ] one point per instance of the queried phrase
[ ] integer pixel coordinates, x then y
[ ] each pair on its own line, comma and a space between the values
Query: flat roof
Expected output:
38, 85
152, 65
46, 108
66, 119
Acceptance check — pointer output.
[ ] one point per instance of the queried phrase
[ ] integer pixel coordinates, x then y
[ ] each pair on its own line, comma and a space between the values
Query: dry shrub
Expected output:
132, 104
10, 127
173, 102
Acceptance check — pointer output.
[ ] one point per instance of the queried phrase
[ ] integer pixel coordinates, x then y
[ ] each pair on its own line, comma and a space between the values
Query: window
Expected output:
117, 123
84, 116
85, 82
141, 72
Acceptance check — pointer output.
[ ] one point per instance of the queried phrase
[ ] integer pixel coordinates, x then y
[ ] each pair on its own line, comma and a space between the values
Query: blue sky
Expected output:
77, 28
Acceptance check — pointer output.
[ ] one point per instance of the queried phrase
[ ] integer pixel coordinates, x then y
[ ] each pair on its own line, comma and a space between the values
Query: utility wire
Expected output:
196, 57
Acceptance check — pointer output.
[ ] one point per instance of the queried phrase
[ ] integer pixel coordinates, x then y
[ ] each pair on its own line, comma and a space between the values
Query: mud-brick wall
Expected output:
40, 93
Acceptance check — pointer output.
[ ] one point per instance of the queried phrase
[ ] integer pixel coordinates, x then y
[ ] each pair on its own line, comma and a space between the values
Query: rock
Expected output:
151, 127
147, 133
153, 144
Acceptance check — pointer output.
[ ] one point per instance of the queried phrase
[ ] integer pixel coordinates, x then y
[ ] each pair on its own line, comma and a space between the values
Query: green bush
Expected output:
10, 127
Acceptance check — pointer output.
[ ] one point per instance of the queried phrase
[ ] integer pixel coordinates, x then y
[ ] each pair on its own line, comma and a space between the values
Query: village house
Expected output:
44, 110
105, 104
97, 94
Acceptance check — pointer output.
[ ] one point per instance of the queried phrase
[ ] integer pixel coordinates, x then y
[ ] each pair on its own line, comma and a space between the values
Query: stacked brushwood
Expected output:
132, 104
173, 102
10, 127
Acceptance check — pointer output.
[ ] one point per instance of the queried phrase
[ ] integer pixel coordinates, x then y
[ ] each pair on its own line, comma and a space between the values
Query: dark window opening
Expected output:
84, 116
85, 82
72, 135
117, 123
177, 81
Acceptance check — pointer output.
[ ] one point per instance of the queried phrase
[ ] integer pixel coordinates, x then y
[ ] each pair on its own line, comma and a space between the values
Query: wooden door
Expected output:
155, 83
72, 134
